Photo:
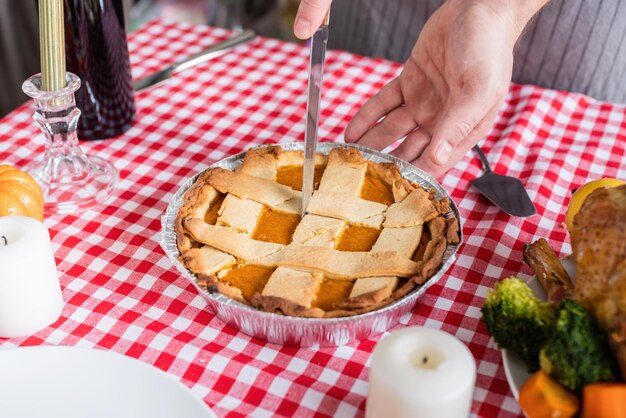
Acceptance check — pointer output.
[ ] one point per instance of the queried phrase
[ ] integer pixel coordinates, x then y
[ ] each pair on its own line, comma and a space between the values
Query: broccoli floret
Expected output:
518, 320
578, 352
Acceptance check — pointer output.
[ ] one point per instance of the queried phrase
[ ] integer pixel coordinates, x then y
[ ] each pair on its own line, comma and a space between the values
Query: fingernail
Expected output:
442, 154
303, 28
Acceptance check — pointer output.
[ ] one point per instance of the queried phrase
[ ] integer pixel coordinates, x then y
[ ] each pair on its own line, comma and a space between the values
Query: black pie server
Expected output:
507, 193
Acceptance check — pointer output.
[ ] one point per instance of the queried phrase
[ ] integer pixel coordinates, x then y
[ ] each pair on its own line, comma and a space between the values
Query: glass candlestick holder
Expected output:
71, 180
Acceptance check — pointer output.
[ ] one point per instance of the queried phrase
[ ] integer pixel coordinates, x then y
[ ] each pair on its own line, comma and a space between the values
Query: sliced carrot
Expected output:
543, 397
604, 400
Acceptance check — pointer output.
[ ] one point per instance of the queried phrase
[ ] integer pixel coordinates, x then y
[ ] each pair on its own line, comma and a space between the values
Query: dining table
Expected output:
121, 292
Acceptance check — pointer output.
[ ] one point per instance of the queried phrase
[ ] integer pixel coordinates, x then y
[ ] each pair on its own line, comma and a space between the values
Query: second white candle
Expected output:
419, 372
30, 294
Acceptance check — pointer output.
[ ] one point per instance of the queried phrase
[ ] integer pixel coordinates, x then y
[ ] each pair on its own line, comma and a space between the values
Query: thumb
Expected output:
309, 17
456, 125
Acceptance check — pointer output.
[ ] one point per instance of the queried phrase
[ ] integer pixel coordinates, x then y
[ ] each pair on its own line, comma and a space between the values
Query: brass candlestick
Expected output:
70, 180
52, 43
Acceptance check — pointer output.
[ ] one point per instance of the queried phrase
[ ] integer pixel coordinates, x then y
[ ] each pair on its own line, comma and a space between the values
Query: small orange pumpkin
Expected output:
19, 194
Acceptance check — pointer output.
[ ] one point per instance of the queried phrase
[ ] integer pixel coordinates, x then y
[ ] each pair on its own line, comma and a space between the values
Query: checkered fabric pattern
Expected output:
122, 294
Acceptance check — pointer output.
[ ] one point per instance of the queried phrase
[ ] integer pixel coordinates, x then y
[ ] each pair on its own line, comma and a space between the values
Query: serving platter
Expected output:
306, 332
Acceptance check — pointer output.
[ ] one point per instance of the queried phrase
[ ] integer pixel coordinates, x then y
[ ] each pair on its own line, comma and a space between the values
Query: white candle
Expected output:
420, 372
30, 294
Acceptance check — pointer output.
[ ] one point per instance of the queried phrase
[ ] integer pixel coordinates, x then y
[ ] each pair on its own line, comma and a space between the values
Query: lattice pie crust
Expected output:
362, 244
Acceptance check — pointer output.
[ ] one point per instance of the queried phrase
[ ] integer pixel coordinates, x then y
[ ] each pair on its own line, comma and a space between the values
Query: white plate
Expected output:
69, 382
514, 367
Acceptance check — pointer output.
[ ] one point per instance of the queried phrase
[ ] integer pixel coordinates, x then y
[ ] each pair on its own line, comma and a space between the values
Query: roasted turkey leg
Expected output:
548, 269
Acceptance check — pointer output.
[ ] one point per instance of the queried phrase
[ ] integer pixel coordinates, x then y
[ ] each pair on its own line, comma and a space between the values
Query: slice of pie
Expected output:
368, 238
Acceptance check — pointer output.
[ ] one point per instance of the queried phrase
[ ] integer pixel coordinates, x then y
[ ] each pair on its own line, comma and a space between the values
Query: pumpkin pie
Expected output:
369, 236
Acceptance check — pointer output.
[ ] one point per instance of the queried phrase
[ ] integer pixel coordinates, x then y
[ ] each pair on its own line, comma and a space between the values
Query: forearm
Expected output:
517, 12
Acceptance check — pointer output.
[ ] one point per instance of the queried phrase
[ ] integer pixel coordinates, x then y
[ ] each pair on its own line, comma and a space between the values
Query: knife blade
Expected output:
214, 51
316, 72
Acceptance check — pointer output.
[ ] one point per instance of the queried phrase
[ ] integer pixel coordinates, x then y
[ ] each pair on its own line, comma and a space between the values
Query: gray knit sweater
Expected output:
574, 45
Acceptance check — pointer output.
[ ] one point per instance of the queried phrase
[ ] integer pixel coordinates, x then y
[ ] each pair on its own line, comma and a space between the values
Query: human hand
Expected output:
450, 89
309, 17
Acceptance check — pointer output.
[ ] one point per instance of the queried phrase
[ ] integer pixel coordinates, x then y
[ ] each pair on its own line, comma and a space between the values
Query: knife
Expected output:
212, 52
316, 71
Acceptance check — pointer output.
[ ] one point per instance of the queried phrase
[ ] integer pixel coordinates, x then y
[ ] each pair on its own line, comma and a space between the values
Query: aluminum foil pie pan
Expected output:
308, 332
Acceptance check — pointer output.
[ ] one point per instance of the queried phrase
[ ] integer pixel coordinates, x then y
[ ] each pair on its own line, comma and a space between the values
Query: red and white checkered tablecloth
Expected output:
121, 293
